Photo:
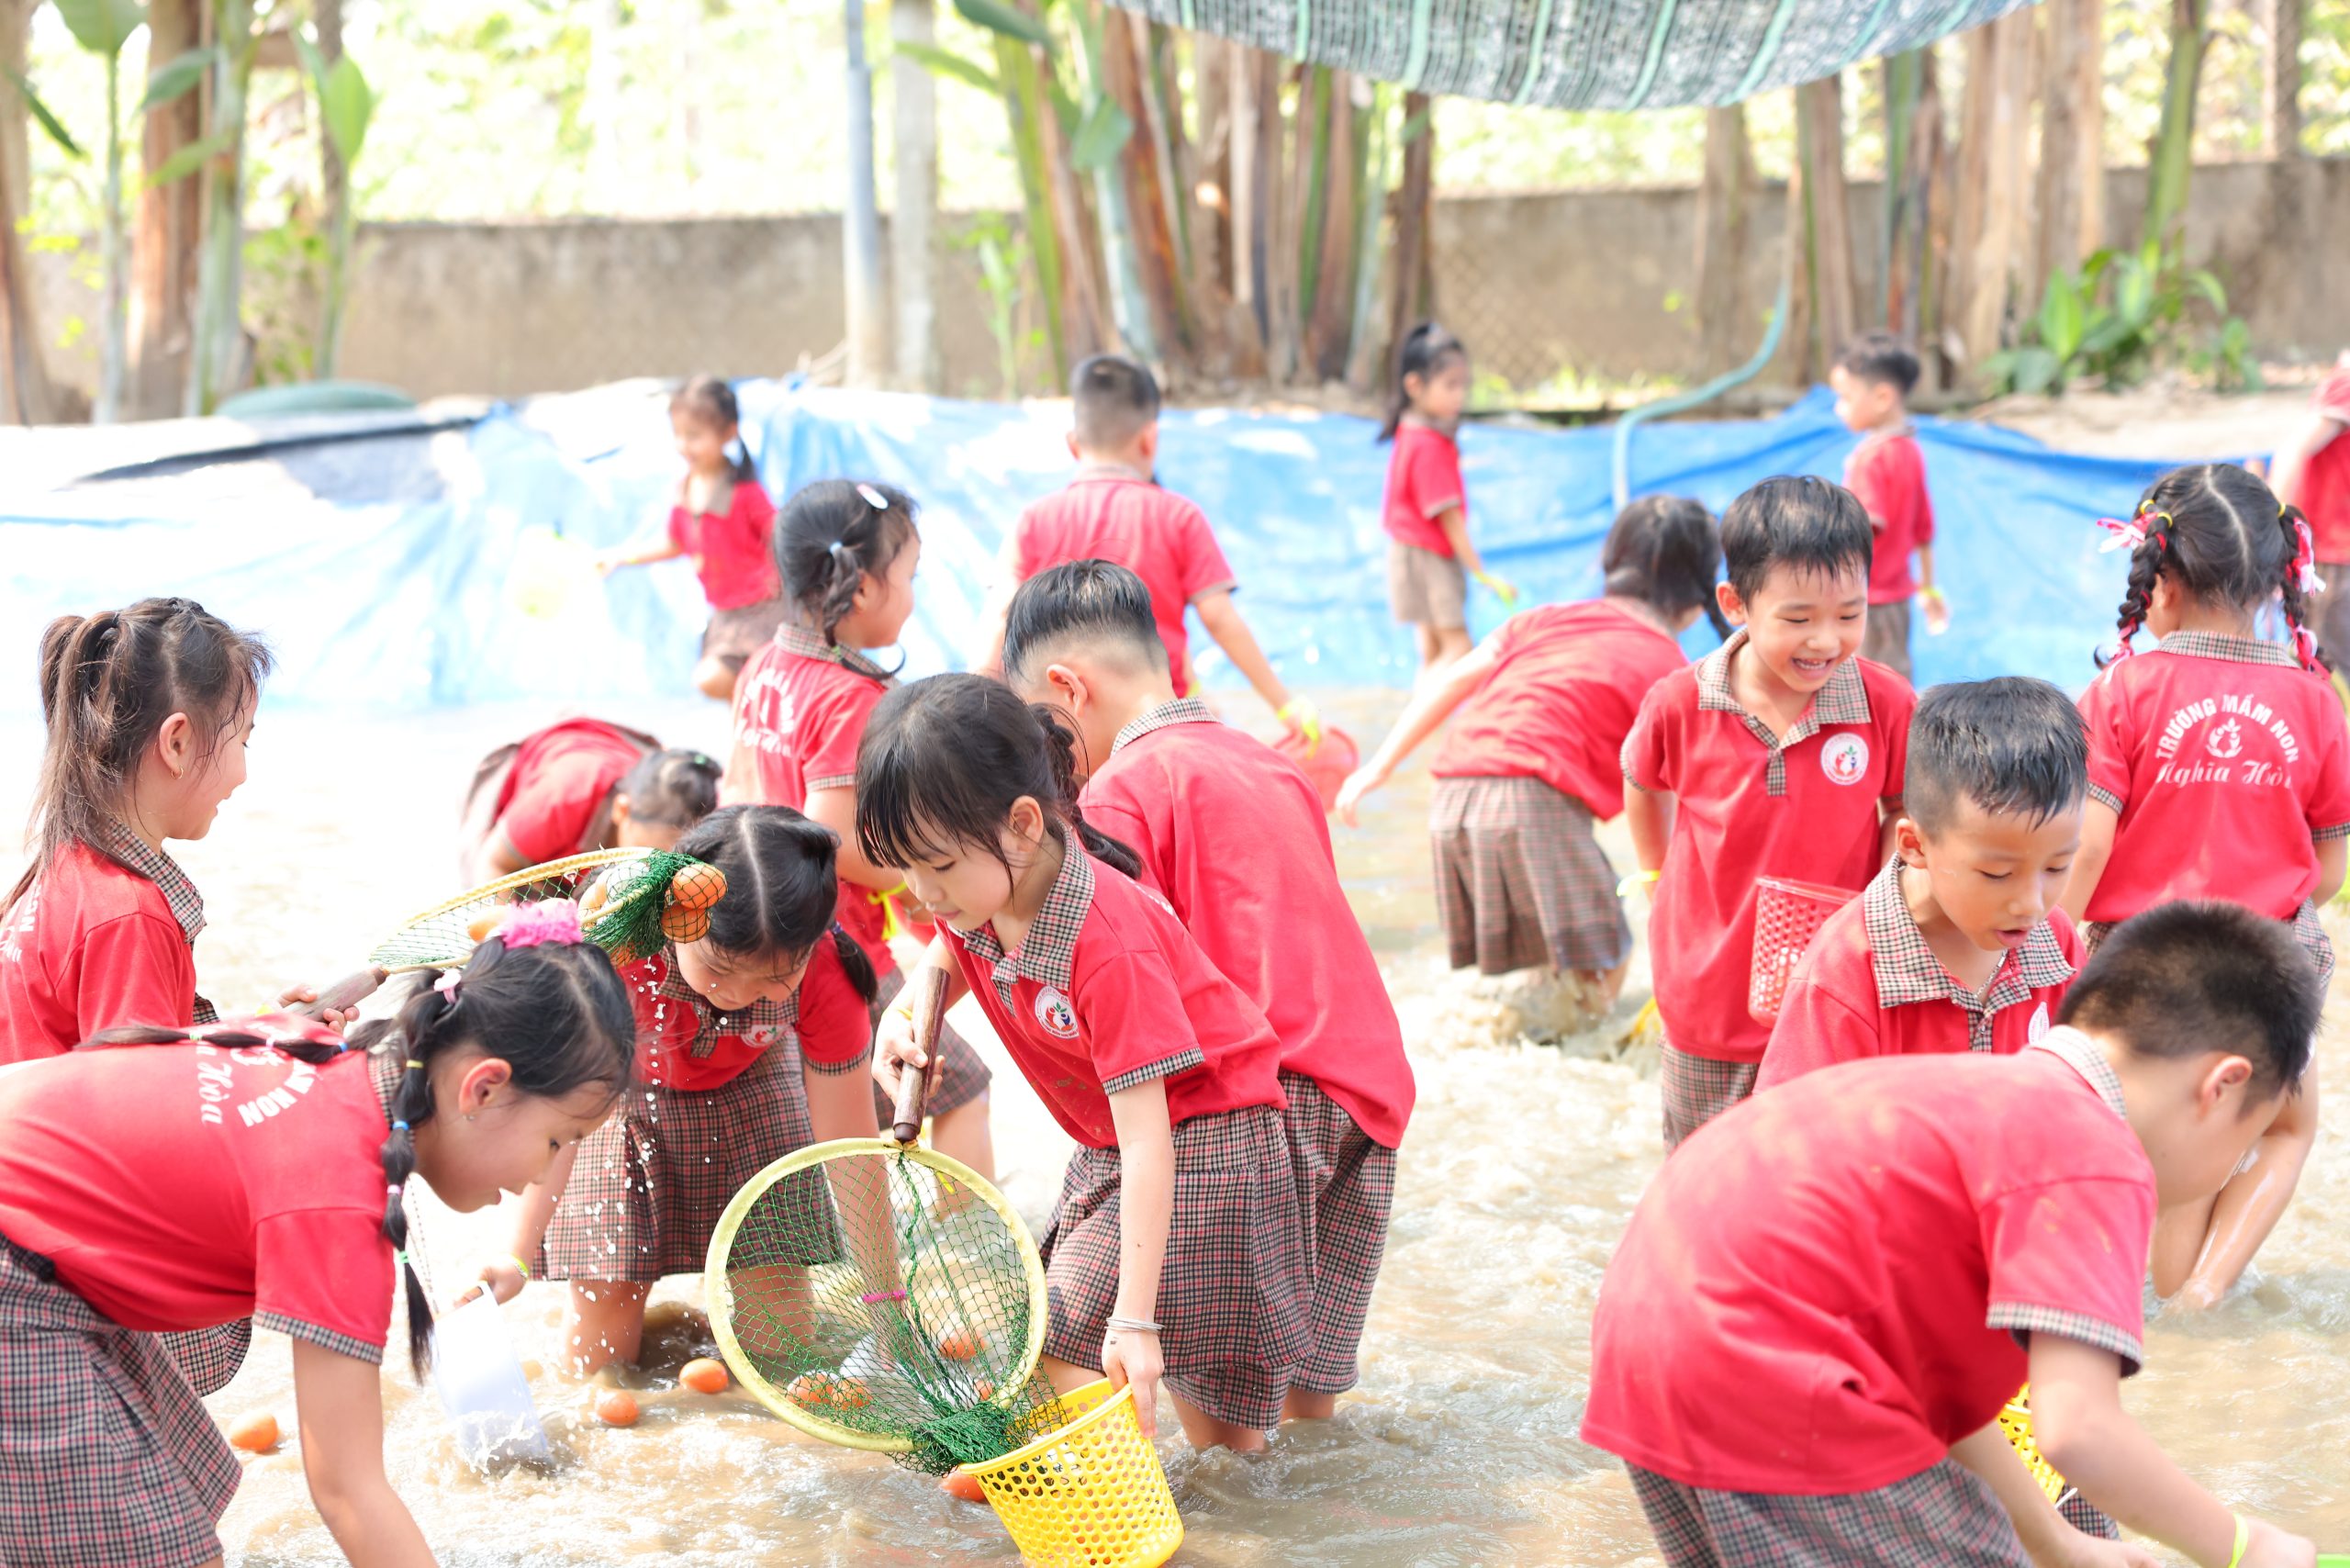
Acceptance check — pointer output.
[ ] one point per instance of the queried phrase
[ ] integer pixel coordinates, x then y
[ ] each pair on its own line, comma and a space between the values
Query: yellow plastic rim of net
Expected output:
488, 893
718, 1293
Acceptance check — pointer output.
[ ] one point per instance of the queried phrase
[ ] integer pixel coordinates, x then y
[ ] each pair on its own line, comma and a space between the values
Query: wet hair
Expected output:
828, 536
1112, 400
782, 887
671, 789
2011, 745
109, 683
2200, 975
1664, 550
1425, 349
713, 401
2220, 534
1882, 360
944, 761
1097, 601
1799, 521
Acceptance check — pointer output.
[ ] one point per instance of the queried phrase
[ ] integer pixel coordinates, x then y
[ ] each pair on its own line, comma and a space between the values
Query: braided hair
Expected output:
828, 536
2221, 536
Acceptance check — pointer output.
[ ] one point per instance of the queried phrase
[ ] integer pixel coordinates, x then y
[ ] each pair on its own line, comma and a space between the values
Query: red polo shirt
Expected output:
1749, 806
178, 1187
1109, 991
1835, 1282
1870, 986
1888, 474
1233, 833
2226, 761
800, 707
733, 551
91, 945
2325, 481
1423, 483
1561, 697
560, 779
683, 1043
1111, 514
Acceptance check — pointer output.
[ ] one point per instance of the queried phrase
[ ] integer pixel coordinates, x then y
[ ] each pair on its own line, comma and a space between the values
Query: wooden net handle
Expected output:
914, 1084
348, 992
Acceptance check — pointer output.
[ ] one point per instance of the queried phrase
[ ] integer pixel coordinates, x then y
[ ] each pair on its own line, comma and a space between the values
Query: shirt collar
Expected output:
1907, 971
709, 1023
1182, 710
1843, 700
2222, 645
809, 645
2083, 1055
1048, 952
187, 903
1094, 469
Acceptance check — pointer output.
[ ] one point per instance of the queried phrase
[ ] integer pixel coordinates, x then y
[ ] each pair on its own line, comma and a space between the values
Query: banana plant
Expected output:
345, 105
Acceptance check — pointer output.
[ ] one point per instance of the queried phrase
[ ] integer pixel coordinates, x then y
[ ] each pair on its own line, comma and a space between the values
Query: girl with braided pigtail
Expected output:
256, 1168
2219, 768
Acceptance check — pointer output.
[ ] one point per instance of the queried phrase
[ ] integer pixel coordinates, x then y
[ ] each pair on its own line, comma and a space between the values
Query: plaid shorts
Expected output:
1520, 880
210, 1357
107, 1459
1941, 1518
1237, 1289
649, 1184
1346, 1186
2308, 930
1698, 1089
962, 1076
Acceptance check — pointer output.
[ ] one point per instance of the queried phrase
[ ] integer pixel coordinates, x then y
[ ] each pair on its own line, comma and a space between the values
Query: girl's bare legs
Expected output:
963, 1134
603, 1323
1204, 1430
714, 679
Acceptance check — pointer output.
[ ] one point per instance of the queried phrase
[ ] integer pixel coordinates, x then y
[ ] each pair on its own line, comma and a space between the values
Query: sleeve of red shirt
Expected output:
836, 1026
550, 810
1433, 471
1816, 1028
1649, 750
2102, 713
1130, 1014
1024, 546
325, 1275
681, 528
830, 728
134, 969
1895, 707
1201, 558
2067, 1257
1921, 521
2333, 398
2328, 801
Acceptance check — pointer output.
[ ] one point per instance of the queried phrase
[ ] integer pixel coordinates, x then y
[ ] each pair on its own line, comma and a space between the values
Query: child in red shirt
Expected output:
1180, 1203
184, 1186
1958, 944
721, 519
1802, 1345
1535, 761
1233, 833
1426, 509
1115, 510
1872, 378
581, 785
848, 553
1779, 754
750, 1042
2314, 475
2219, 767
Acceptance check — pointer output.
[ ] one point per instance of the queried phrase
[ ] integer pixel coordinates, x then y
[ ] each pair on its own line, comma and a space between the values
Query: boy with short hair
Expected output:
1114, 509
1958, 944
2313, 474
1804, 1342
1872, 379
1233, 833
1779, 753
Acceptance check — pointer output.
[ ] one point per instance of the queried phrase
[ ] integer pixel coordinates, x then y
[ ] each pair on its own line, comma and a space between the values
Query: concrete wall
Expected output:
1593, 282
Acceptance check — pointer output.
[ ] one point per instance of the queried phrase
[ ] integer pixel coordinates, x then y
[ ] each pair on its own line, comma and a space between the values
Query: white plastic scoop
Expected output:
483, 1388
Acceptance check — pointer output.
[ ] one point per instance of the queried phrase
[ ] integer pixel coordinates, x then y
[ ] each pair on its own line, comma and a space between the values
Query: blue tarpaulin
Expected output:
471, 584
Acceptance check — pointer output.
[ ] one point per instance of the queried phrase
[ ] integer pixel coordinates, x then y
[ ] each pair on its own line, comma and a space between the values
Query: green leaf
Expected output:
1416, 128
2202, 281
999, 16
2061, 317
39, 111
189, 158
345, 103
2133, 294
946, 63
2036, 370
171, 81
1101, 136
102, 27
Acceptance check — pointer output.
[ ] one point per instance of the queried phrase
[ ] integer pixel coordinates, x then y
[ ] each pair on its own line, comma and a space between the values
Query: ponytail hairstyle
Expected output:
944, 761
713, 401
1664, 550
671, 789
2220, 534
108, 683
782, 888
828, 536
1425, 350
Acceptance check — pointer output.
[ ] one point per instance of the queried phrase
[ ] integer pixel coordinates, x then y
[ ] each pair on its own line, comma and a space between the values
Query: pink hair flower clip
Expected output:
2121, 534
552, 920
2305, 558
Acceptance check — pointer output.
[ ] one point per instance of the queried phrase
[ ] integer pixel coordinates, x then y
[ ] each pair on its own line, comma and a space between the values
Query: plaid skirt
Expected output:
649, 1184
962, 1076
1520, 880
1941, 1518
107, 1459
1345, 1187
209, 1358
1697, 1089
2308, 930
1235, 1292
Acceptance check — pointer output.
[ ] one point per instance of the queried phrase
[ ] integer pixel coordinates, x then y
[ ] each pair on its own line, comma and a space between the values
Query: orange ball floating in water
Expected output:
958, 1344
850, 1394
697, 885
254, 1433
704, 1375
960, 1483
617, 1408
813, 1389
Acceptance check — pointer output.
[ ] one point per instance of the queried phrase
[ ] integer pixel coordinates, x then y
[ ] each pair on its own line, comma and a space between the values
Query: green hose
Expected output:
1682, 401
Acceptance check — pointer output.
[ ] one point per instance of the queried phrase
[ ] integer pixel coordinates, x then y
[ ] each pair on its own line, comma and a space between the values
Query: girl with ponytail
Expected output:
751, 1041
256, 1168
1175, 1249
2219, 768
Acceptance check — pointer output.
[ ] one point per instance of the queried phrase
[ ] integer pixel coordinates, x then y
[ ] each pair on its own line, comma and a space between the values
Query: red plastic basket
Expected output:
1787, 916
1331, 761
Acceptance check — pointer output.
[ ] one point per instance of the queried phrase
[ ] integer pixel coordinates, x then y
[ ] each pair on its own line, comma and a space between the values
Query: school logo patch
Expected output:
761, 1037
1055, 1014
2039, 1024
1845, 758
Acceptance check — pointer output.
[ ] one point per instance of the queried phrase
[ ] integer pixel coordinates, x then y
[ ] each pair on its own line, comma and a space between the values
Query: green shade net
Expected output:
884, 1298
1584, 54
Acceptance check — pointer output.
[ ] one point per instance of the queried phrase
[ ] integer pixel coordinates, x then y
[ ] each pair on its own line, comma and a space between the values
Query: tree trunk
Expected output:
868, 326
1085, 321
2281, 94
2072, 141
334, 210
1327, 330
2170, 157
1285, 209
27, 395
1410, 297
217, 360
164, 235
913, 220
1920, 185
1725, 234
1141, 181
1797, 364
1985, 247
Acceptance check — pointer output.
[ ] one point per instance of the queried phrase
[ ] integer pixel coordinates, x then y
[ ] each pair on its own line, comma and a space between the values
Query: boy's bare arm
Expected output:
1222, 619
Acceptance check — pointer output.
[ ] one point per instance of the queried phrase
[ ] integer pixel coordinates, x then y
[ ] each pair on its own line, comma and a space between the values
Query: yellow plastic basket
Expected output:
1090, 1492
2015, 1421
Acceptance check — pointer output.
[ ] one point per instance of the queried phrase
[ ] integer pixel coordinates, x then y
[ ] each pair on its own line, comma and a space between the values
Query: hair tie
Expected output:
414, 1065
2305, 648
448, 982
873, 499
394, 1189
554, 922
2123, 535
399, 1127
841, 552
2305, 557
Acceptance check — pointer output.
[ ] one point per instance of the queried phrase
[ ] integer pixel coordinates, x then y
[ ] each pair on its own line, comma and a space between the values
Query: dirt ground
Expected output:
2161, 420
